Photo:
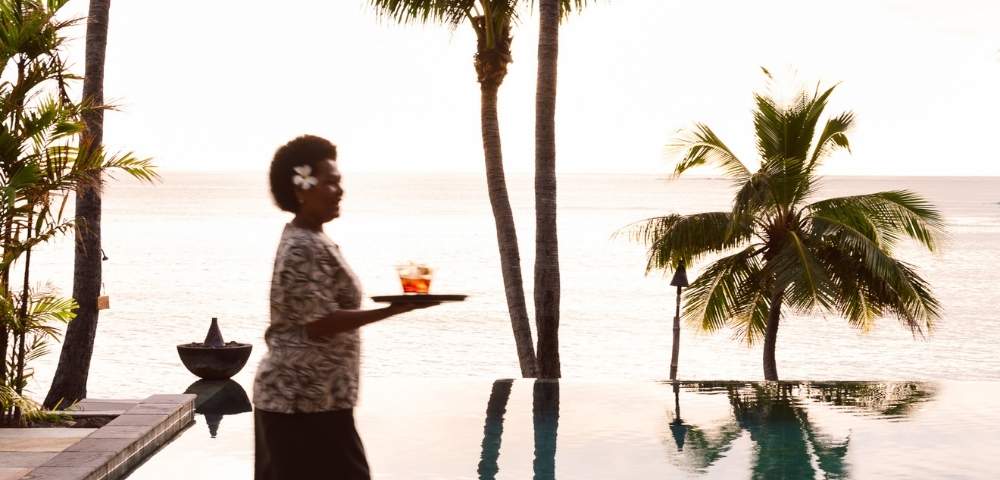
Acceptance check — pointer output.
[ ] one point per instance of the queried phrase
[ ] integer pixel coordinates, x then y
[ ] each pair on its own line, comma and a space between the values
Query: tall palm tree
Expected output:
782, 247
70, 381
40, 163
492, 21
547, 285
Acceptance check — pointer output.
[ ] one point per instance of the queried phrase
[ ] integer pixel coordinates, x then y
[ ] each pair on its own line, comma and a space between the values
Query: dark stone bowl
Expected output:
214, 363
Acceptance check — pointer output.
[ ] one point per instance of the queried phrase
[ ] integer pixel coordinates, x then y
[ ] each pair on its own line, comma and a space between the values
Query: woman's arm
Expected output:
346, 320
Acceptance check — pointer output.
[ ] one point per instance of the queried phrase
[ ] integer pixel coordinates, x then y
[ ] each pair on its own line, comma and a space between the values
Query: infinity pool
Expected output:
435, 429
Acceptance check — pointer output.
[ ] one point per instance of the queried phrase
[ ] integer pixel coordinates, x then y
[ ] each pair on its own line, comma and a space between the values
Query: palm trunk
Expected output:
5, 322
9, 233
547, 284
70, 381
771, 336
15, 417
510, 257
23, 313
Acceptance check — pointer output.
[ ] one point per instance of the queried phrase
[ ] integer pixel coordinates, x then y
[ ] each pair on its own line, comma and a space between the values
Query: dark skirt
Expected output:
307, 446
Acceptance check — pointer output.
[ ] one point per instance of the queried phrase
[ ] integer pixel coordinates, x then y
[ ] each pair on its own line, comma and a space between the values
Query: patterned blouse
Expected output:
299, 374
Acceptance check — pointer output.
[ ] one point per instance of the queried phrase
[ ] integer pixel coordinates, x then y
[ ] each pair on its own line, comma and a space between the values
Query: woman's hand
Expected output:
346, 320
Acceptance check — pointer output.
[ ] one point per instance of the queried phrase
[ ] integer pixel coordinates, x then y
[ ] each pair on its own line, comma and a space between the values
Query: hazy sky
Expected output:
218, 85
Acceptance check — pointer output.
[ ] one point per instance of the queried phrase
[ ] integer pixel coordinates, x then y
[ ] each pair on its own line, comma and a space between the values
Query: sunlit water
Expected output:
201, 245
467, 429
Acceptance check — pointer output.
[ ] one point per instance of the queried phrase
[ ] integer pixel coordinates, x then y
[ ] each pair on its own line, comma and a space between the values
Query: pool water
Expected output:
519, 429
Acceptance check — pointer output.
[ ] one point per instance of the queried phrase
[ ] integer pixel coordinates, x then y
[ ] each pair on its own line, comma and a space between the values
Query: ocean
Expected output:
201, 245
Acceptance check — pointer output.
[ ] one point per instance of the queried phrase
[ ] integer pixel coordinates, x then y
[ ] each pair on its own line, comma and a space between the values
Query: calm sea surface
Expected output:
198, 246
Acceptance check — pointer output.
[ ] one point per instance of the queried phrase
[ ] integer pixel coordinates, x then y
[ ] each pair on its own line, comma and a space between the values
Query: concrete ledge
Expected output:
112, 450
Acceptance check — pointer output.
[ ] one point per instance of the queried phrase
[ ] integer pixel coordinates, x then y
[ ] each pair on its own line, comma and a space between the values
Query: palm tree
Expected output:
492, 21
40, 164
547, 286
70, 380
785, 249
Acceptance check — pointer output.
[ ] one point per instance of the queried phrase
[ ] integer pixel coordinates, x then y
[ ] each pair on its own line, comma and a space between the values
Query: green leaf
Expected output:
686, 237
701, 146
720, 293
890, 214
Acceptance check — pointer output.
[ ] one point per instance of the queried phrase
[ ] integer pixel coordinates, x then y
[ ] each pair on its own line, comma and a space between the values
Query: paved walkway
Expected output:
138, 428
22, 449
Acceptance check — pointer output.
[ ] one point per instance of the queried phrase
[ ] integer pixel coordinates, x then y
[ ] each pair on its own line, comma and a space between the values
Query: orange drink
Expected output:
415, 278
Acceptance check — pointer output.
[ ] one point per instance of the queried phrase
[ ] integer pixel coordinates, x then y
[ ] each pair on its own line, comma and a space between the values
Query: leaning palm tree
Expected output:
40, 164
492, 21
70, 380
785, 249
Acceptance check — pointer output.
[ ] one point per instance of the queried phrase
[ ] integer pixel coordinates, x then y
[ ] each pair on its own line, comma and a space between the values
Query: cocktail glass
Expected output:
415, 277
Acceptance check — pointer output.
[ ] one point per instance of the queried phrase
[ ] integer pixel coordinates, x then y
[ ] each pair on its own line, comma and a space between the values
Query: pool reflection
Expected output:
545, 422
218, 398
427, 429
775, 417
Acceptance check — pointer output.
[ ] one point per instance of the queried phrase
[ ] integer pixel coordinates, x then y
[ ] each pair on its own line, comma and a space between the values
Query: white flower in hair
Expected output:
303, 177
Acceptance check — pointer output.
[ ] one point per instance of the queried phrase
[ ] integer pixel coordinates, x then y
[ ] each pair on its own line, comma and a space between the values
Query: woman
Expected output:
307, 384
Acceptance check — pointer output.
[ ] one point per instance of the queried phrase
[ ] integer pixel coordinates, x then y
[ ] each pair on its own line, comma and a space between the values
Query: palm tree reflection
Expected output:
786, 443
545, 419
493, 430
703, 450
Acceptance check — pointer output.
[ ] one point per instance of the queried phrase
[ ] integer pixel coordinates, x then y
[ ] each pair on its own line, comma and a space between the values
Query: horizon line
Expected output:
574, 172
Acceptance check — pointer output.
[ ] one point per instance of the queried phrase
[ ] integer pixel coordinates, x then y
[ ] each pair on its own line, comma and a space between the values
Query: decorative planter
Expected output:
214, 359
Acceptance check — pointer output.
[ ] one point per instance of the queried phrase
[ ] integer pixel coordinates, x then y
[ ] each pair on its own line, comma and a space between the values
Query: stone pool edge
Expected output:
113, 450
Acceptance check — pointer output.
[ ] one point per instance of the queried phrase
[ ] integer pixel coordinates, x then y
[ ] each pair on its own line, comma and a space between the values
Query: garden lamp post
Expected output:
680, 281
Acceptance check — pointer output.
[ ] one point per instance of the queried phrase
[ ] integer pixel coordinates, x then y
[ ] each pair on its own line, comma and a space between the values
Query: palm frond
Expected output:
797, 271
834, 136
769, 125
685, 237
141, 169
754, 197
11, 399
784, 133
452, 12
34, 350
892, 214
750, 322
856, 238
871, 288
802, 117
14, 249
718, 294
47, 309
701, 146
